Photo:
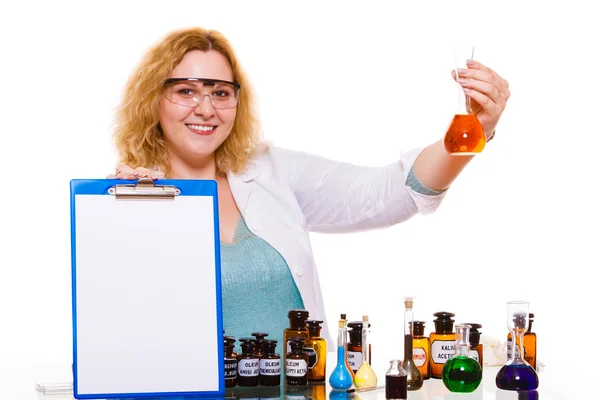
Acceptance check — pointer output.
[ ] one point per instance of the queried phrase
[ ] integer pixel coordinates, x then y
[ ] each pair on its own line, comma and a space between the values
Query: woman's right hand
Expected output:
124, 171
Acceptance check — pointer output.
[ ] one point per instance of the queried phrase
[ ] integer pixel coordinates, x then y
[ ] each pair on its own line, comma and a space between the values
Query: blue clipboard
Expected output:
146, 289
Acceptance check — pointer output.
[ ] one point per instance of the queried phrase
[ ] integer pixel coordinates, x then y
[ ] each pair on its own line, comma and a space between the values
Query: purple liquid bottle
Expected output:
517, 374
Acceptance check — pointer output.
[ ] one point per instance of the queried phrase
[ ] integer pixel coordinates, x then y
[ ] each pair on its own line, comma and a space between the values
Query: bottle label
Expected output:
295, 368
442, 351
230, 368
270, 366
313, 357
419, 356
248, 367
475, 355
354, 360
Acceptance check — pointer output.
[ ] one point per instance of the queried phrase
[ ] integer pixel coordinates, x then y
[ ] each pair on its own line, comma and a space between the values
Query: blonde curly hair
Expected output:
138, 134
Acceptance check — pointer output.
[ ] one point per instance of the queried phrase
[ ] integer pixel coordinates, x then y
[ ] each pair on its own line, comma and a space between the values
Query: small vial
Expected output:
396, 386
296, 364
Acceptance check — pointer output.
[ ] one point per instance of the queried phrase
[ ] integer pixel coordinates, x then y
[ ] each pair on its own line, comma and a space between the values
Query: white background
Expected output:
353, 81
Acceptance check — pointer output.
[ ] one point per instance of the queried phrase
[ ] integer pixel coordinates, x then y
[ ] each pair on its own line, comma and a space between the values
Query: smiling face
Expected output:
192, 134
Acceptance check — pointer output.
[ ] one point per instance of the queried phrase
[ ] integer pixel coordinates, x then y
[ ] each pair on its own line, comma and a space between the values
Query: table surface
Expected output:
18, 383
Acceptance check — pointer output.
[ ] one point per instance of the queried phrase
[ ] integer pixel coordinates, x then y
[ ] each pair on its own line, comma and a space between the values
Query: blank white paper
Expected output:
146, 295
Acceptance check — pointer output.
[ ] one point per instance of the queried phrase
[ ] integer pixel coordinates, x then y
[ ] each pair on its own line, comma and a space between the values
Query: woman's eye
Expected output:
221, 93
185, 92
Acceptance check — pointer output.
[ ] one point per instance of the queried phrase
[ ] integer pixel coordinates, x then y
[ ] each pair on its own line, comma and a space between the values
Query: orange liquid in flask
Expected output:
465, 136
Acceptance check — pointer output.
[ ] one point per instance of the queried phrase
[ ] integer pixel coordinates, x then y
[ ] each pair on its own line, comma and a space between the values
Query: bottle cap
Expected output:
298, 313
269, 346
259, 335
297, 345
418, 328
247, 347
444, 322
475, 335
519, 320
229, 339
355, 332
228, 347
314, 327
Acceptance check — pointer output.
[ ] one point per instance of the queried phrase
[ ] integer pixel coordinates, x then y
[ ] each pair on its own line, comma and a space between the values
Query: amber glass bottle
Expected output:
296, 364
421, 349
442, 342
476, 350
316, 349
355, 345
297, 329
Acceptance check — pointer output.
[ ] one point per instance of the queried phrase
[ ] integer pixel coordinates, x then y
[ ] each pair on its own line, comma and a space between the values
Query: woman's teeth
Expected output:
200, 127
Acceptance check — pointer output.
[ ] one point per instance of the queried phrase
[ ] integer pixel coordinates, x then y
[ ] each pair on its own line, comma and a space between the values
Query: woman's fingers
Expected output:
123, 171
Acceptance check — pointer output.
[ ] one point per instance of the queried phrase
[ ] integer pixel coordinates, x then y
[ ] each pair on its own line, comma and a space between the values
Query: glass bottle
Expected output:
270, 364
476, 347
340, 378
355, 345
365, 376
413, 375
442, 342
462, 373
296, 364
297, 328
517, 374
529, 344
421, 348
247, 364
316, 348
231, 362
343, 317
396, 385
465, 135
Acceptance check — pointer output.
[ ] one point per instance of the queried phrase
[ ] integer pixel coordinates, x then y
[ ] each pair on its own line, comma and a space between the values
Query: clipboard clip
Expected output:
144, 187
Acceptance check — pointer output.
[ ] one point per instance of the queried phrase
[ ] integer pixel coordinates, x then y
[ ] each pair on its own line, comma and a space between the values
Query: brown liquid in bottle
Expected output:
421, 348
465, 136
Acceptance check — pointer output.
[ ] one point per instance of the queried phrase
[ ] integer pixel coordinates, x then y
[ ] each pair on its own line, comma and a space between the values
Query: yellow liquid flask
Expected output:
465, 136
365, 376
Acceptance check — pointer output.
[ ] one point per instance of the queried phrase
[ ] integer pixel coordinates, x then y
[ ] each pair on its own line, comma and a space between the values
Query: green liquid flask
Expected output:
462, 373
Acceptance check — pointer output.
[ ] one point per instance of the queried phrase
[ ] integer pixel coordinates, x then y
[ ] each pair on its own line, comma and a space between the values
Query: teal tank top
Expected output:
258, 289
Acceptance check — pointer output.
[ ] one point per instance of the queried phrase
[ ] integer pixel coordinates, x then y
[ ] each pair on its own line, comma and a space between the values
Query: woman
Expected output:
187, 113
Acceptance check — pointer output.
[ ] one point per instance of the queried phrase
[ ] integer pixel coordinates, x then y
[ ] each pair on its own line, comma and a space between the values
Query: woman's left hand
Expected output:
488, 92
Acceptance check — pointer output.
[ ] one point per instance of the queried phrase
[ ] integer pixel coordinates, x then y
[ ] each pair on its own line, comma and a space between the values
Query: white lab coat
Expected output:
283, 195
